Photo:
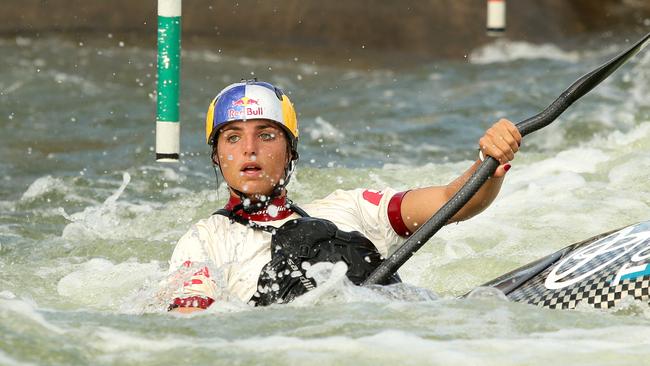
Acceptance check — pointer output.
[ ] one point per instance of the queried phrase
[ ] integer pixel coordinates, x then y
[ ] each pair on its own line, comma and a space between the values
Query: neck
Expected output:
257, 197
277, 209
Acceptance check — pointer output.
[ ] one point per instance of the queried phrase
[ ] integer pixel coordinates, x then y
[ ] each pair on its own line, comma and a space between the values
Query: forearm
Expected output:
481, 200
501, 141
420, 204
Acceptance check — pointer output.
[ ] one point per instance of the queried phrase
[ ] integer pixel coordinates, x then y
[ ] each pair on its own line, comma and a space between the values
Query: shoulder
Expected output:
355, 198
363, 209
354, 206
205, 235
208, 226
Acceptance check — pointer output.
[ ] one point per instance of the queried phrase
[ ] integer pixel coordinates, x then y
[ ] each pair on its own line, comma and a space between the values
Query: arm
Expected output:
198, 291
500, 141
193, 284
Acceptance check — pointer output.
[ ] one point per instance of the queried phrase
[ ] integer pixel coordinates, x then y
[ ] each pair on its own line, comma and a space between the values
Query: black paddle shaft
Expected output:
579, 88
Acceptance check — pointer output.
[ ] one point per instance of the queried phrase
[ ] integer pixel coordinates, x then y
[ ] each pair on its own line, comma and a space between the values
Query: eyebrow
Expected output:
258, 127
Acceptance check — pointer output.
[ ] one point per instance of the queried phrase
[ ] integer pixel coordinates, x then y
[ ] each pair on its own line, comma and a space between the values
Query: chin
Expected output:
254, 192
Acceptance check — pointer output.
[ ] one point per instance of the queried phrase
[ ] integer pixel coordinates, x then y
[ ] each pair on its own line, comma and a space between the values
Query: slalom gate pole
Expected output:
496, 18
168, 125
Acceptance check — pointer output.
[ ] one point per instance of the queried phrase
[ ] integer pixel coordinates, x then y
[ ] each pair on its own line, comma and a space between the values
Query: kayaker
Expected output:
261, 243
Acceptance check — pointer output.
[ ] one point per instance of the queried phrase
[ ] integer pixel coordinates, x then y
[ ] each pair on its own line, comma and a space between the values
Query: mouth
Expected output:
250, 169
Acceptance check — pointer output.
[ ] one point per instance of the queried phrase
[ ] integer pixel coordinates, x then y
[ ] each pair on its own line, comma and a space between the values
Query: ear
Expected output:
215, 157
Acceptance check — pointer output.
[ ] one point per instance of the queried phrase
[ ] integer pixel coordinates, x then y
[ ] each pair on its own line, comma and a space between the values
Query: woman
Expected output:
261, 242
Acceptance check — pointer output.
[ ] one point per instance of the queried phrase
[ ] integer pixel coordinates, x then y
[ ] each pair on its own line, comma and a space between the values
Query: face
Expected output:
252, 155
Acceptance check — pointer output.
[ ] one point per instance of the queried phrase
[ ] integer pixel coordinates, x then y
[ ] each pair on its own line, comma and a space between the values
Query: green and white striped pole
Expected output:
168, 125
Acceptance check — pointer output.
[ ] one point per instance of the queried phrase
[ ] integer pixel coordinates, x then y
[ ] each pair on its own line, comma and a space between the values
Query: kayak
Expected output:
600, 271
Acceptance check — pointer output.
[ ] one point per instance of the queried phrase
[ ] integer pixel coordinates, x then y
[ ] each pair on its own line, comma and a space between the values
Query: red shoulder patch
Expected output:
372, 196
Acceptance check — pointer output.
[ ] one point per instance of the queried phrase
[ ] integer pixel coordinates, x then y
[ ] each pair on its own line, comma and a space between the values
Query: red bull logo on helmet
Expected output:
245, 101
245, 108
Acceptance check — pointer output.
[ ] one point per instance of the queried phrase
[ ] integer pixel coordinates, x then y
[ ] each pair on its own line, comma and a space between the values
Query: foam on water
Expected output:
506, 51
101, 284
7, 360
14, 310
392, 346
323, 130
334, 287
42, 186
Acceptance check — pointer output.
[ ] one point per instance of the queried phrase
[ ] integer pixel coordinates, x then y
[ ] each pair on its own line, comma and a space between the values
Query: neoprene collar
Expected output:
279, 208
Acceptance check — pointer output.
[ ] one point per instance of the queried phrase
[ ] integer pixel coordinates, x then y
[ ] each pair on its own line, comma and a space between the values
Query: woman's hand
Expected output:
501, 141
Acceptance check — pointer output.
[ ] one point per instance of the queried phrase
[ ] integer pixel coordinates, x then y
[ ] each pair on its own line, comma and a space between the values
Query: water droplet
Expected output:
273, 210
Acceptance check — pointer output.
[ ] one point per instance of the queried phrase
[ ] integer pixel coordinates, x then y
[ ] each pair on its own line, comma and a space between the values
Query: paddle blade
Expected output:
579, 88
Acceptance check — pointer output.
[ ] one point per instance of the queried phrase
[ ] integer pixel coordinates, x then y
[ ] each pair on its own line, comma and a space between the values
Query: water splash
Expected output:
506, 51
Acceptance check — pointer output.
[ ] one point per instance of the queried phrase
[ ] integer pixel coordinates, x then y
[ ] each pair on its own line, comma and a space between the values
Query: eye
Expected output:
267, 136
232, 138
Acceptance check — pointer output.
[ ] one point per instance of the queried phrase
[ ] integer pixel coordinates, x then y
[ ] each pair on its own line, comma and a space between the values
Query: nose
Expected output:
250, 145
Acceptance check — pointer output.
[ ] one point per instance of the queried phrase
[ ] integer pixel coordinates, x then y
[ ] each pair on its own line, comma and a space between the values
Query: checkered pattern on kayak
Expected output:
596, 289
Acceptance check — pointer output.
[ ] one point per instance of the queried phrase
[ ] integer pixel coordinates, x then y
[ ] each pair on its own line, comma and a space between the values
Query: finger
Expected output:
513, 130
483, 143
507, 131
505, 150
499, 148
489, 148
502, 170
511, 141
